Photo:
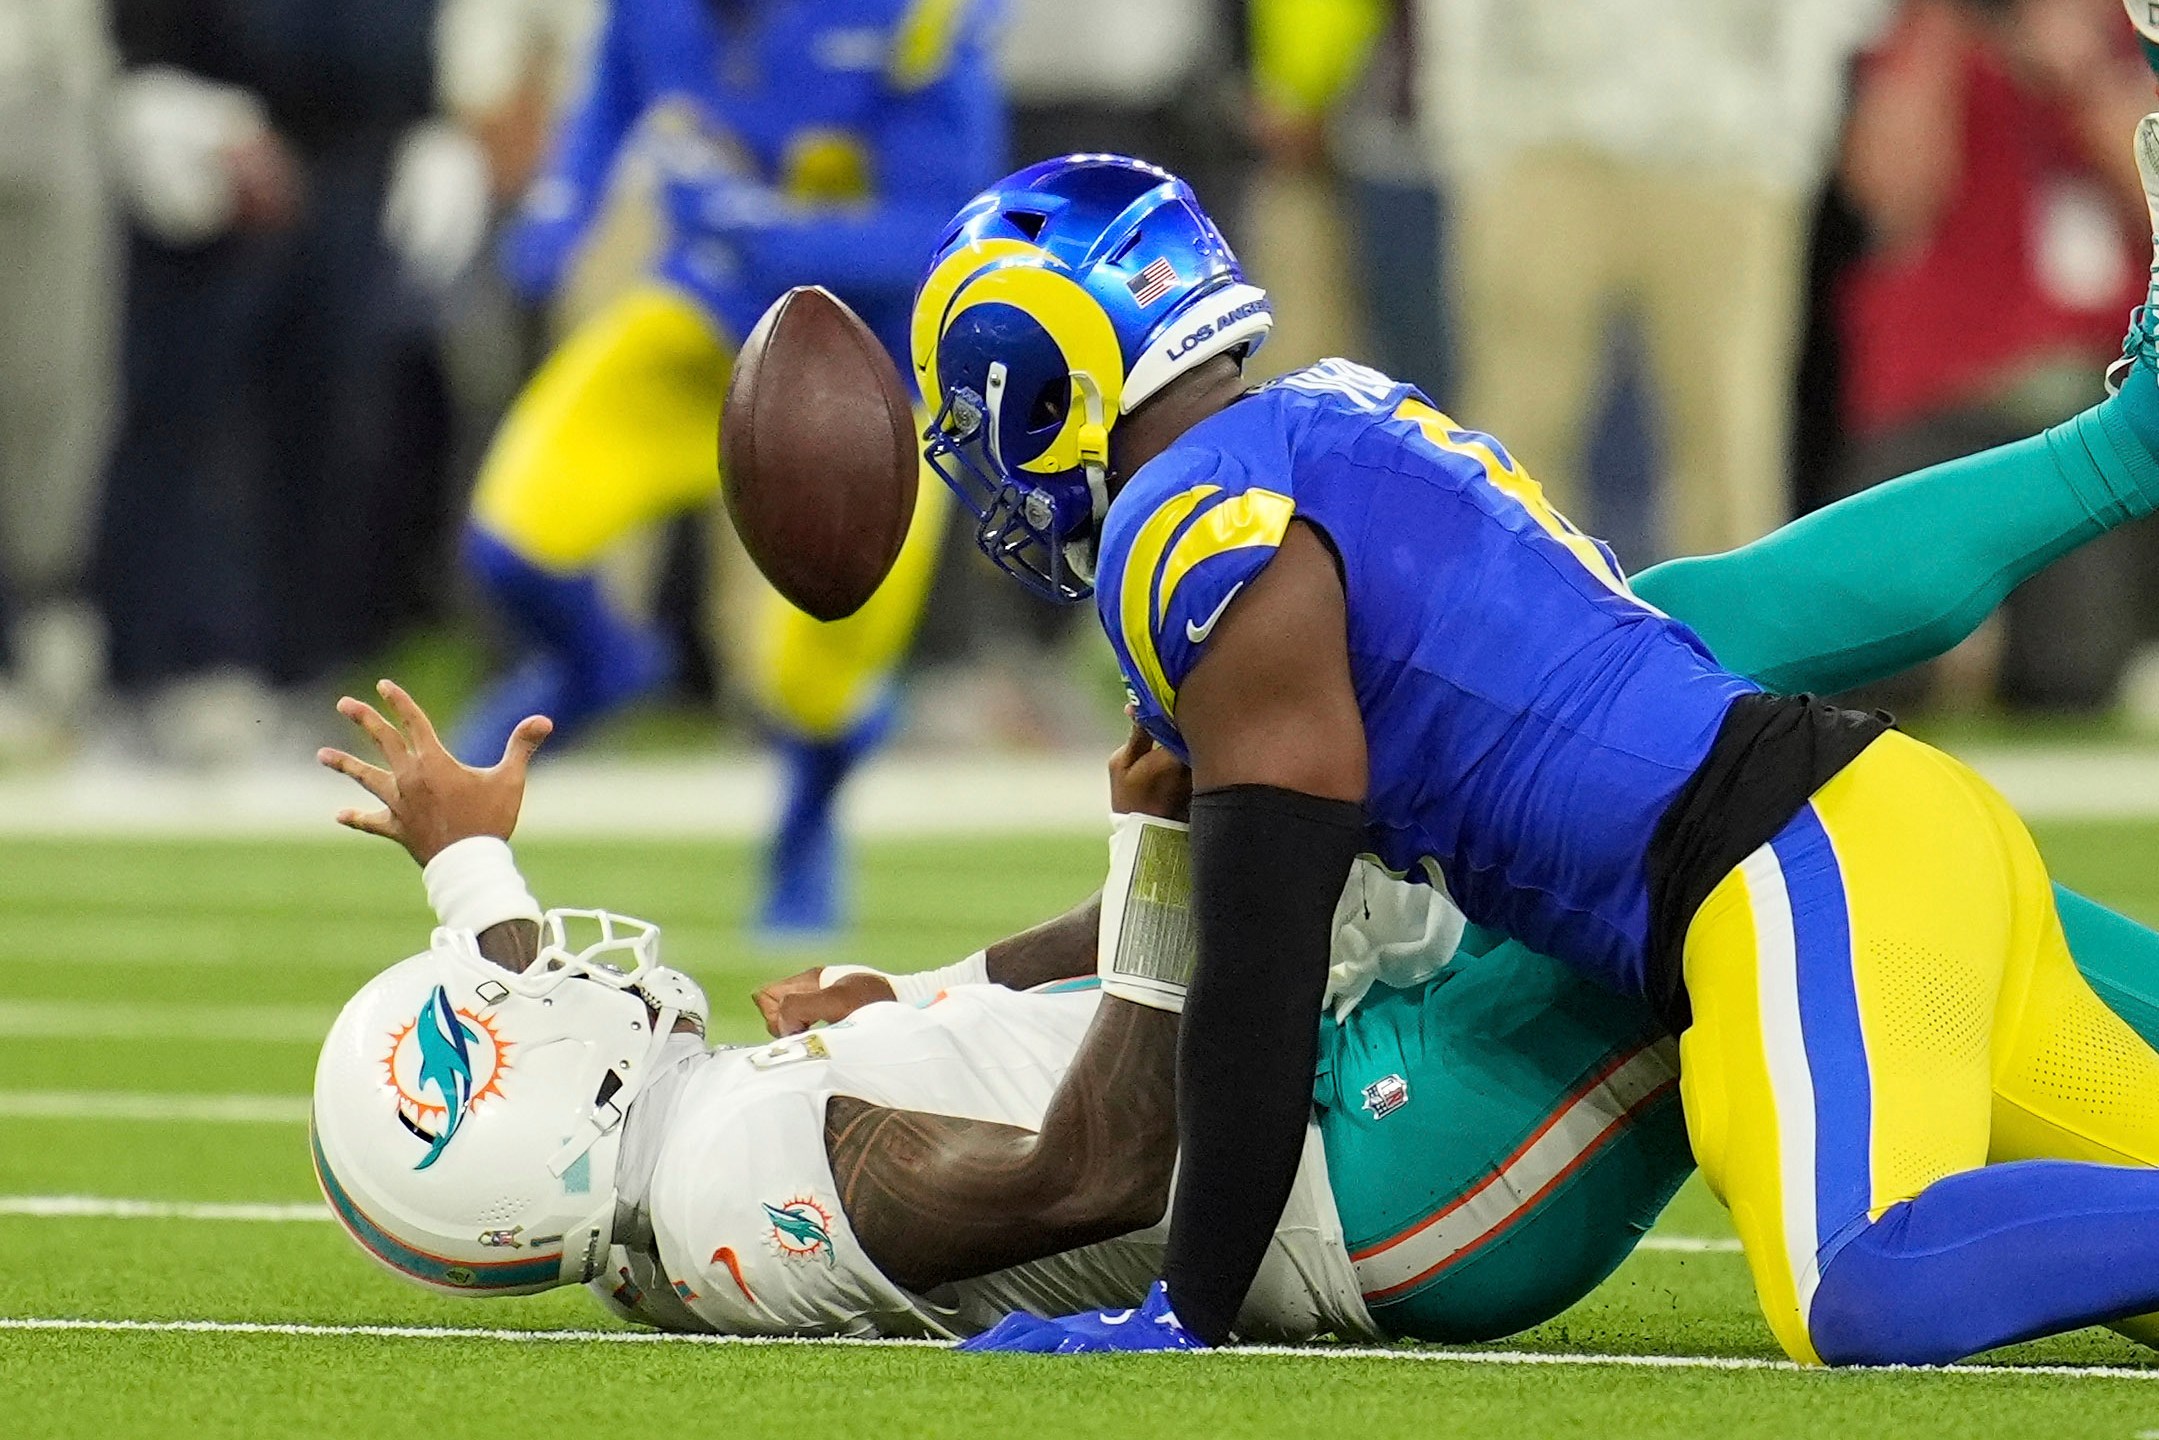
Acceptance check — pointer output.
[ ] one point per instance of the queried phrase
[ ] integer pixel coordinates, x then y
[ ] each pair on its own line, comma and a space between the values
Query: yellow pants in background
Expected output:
619, 430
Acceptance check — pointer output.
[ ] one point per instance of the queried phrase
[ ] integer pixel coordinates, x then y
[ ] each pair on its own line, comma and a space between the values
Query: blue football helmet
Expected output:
1058, 301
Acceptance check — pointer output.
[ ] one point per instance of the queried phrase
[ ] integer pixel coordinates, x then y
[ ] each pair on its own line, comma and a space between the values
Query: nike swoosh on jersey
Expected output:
1198, 634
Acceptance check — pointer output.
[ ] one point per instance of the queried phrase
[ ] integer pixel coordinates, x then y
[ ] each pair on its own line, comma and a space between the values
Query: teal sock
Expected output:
2121, 438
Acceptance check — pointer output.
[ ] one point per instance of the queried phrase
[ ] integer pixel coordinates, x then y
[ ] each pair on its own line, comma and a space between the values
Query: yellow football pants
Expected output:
619, 430
1882, 997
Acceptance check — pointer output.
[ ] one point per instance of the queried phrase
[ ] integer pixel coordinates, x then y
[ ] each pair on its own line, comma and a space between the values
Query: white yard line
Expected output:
1690, 1244
96, 1019
130, 1105
1418, 1354
721, 797
733, 796
101, 1207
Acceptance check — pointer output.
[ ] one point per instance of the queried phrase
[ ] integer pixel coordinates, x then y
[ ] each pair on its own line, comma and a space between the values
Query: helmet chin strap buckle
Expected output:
584, 1246
1080, 551
1094, 444
993, 404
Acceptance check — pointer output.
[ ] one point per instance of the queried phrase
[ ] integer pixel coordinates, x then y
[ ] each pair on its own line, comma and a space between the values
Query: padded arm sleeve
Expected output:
1268, 867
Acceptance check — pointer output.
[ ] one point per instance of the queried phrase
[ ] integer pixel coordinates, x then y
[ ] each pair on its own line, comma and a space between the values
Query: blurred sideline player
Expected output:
1486, 1147
794, 143
1366, 629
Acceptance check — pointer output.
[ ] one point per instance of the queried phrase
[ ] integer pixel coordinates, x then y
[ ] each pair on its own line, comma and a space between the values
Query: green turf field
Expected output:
160, 1007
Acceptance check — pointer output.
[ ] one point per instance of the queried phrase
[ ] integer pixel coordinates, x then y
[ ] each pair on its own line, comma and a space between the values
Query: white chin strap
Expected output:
584, 1246
1080, 554
993, 402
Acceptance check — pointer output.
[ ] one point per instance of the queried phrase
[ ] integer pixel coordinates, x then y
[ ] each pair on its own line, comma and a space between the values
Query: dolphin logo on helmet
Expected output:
1060, 300
446, 1064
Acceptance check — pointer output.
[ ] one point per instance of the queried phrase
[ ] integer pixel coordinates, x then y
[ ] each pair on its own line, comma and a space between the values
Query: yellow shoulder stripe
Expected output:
1257, 517
922, 49
1139, 572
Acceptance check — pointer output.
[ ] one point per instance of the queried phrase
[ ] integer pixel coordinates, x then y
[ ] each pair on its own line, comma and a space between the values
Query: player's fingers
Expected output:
797, 1013
1137, 744
382, 732
525, 742
417, 725
372, 822
768, 1005
377, 781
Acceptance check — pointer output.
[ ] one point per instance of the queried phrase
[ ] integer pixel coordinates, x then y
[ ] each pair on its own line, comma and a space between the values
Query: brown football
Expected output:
818, 453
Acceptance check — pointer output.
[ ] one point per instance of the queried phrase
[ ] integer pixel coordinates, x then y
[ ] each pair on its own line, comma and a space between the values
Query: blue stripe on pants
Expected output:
1829, 1020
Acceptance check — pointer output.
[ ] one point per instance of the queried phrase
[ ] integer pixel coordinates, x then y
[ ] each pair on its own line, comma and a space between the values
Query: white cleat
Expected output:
2143, 341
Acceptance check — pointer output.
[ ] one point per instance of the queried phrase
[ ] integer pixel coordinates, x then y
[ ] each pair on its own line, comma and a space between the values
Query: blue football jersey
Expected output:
874, 119
1529, 719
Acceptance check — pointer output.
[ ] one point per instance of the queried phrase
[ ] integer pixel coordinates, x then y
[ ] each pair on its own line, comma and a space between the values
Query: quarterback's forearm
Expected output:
1059, 949
474, 885
513, 944
938, 1198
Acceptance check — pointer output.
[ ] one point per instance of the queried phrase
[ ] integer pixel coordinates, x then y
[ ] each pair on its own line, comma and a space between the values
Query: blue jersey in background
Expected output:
796, 142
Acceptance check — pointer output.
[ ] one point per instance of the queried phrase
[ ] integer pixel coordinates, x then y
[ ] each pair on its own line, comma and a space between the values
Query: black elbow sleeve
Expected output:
1268, 867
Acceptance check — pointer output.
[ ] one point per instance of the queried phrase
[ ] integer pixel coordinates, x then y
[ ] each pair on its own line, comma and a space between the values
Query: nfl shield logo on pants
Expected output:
1386, 1095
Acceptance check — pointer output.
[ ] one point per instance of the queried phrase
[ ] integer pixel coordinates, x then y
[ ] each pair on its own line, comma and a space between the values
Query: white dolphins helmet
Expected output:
467, 1118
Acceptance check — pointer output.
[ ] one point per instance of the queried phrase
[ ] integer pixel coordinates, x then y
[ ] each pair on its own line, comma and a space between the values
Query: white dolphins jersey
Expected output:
748, 1236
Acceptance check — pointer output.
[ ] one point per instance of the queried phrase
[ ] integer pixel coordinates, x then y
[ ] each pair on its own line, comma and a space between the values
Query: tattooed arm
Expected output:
1056, 949
938, 1198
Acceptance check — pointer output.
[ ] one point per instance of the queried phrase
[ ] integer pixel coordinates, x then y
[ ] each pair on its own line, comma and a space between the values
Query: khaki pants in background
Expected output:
58, 317
1297, 245
1552, 246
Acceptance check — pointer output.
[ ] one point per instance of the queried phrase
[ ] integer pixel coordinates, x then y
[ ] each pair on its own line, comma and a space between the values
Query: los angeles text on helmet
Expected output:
1180, 346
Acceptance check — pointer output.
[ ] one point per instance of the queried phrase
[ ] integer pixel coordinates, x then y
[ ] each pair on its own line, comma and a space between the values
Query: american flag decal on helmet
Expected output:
1152, 283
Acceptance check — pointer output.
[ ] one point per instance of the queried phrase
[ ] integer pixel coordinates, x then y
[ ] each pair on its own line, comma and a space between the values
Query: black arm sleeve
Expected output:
1268, 866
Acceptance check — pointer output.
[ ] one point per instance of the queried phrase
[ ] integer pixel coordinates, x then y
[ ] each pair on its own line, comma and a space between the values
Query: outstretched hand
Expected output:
430, 800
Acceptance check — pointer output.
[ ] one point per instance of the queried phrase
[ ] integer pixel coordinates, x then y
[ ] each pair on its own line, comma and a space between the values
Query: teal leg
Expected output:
2118, 957
1900, 573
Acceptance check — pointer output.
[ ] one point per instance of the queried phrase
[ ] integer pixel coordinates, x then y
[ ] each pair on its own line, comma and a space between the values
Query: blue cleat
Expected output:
1154, 1326
804, 869
574, 697
588, 662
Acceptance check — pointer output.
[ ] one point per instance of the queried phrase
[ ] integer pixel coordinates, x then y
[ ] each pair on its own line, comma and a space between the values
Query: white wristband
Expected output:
927, 985
474, 885
1149, 940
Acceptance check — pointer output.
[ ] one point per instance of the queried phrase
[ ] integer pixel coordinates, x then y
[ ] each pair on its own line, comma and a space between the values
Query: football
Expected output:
818, 456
